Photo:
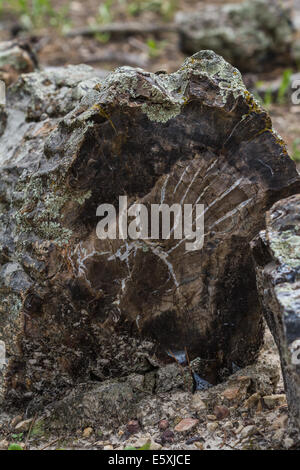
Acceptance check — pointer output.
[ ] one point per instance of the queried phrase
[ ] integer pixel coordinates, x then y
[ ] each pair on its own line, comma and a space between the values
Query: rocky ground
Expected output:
248, 411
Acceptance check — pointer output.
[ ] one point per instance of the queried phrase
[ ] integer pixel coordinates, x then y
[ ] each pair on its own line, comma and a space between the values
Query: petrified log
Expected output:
252, 35
76, 308
277, 255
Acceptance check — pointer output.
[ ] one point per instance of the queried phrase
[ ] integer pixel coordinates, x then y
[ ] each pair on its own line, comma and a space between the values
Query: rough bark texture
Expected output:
252, 35
75, 308
277, 255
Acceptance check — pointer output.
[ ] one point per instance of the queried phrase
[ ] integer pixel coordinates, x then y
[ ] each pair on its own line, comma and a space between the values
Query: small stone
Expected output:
212, 427
221, 412
252, 401
231, 393
155, 446
4, 444
24, 426
109, 447
211, 417
272, 401
87, 433
248, 431
167, 436
186, 424
279, 423
16, 420
199, 445
163, 424
133, 427
288, 443
197, 403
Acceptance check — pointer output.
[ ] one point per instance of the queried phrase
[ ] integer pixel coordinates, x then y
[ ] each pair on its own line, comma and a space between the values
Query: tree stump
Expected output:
76, 308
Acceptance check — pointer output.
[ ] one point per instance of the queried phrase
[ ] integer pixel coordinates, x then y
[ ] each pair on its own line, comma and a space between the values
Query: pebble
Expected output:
211, 417
248, 431
110, 447
212, 427
133, 427
23, 426
288, 442
231, 393
16, 420
197, 403
272, 401
252, 401
221, 412
168, 436
163, 424
186, 424
199, 445
87, 432
4, 444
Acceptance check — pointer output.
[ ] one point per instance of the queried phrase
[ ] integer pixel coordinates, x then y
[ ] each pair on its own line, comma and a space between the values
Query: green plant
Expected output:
37, 13
165, 8
14, 447
146, 446
17, 437
296, 150
284, 86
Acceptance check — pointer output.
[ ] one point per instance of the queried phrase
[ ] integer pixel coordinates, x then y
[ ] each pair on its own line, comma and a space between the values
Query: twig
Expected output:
127, 29
30, 429
50, 443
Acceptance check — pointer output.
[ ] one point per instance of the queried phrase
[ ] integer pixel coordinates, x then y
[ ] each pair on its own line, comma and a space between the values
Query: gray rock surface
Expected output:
253, 35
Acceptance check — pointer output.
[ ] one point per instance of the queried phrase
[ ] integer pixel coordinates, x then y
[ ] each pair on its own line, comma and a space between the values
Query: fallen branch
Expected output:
126, 29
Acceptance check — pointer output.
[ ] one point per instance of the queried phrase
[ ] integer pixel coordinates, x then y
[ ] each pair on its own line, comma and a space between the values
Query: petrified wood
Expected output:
277, 255
76, 308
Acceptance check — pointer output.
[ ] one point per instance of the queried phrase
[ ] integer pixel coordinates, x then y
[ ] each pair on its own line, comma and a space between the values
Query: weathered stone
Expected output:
252, 401
252, 35
87, 432
23, 426
221, 412
4, 444
212, 427
79, 310
248, 431
133, 426
15, 58
197, 403
231, 394
186, 425
163, 424
277, 255
272, 401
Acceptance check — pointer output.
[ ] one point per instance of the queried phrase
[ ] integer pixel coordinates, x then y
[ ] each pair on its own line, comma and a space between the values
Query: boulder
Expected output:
276, 253
253, 35
77, 309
